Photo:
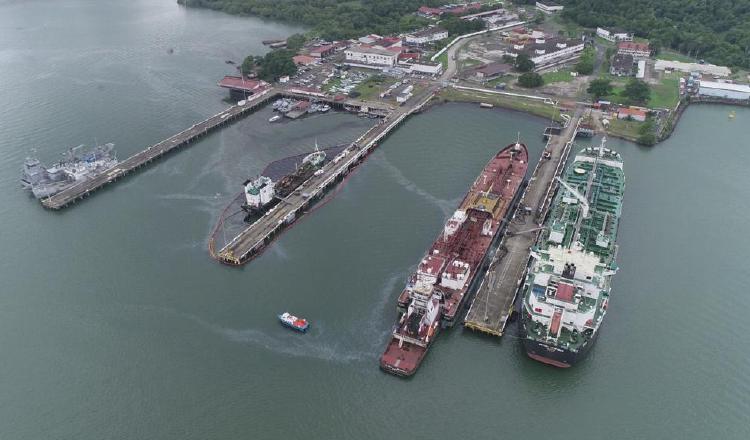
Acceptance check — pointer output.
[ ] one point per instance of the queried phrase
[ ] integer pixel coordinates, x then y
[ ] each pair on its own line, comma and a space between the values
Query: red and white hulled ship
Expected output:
446, 274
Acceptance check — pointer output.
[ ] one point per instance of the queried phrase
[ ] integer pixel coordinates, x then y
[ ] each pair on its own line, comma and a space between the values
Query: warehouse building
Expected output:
739, 92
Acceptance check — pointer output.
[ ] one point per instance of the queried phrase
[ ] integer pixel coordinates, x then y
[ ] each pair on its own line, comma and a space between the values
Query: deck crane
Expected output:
581, 198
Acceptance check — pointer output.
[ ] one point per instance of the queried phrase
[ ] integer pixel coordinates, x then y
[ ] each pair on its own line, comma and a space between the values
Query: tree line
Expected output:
331, 19
716, 30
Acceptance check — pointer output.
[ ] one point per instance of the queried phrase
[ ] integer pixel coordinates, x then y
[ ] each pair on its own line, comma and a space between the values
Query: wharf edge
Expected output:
492, 303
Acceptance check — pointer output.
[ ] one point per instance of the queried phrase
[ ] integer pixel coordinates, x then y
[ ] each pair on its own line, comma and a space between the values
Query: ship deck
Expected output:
493, 302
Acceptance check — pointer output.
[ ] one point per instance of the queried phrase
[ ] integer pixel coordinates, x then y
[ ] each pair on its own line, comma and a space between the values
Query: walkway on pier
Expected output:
156, 151
493, 302
83, 189
253, 239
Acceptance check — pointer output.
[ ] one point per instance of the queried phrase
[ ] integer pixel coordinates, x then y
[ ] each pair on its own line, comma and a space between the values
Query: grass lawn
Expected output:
443, 59
521, 104
559, 76
370, 89
670, 55
624, 128
666, 94
507, 79
469, 62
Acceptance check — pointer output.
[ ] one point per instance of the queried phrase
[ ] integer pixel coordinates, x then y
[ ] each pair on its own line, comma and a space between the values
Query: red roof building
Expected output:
322, 51
304, 60
429, 12
238, 83
633, 113
637, 50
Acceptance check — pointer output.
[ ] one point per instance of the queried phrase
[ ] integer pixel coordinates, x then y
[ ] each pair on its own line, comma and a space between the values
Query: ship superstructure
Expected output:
435, 293
567, 289
262, 193
75, 167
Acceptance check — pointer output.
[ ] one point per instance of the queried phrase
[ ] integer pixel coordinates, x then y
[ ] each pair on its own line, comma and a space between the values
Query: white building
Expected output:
724, 90
549, 7
547, 52
373, 57
613, 36
708, 69
426, 36
424, 67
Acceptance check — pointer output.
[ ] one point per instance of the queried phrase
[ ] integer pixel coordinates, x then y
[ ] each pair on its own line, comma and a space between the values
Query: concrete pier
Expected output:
493, 301
253, 239
154, 152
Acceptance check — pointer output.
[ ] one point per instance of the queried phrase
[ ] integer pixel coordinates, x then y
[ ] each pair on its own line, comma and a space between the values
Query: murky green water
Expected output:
114, 323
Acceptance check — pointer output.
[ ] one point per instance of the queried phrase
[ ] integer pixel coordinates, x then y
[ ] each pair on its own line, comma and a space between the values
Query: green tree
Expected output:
295, 42
636, 92
539, 17
249, 64
599, 88
277, 63
585, 65
523, 63
647, 132
530, 80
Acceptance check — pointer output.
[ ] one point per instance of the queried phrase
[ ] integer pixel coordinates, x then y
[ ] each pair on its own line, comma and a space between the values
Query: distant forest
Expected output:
333, 19
715, 30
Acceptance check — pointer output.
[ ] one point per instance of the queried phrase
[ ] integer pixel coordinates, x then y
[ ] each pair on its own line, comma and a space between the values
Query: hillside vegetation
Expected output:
332, 19
715, 30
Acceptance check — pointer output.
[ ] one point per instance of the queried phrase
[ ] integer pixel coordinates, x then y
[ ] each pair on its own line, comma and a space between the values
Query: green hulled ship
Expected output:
567, 288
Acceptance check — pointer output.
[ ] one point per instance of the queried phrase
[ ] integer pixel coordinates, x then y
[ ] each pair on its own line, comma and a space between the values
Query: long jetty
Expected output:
493, 302
252, 240
157, 151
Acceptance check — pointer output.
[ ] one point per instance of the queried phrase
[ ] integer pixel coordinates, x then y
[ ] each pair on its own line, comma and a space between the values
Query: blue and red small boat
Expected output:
293, 322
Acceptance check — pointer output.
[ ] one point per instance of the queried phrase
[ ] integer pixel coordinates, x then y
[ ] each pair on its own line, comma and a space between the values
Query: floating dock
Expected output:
493, 301
253, 240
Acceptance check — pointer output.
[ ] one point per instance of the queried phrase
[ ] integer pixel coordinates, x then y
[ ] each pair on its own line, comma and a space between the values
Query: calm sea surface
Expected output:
115, 323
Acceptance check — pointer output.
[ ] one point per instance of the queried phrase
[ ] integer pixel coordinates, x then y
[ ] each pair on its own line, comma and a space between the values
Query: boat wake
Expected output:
446, 206
316, 344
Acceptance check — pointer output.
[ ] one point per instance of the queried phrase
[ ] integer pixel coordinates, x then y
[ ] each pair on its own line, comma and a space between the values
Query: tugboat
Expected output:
299, 324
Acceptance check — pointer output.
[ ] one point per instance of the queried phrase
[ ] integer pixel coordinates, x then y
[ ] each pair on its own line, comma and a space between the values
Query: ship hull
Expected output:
455, 262
401, 361
552, 355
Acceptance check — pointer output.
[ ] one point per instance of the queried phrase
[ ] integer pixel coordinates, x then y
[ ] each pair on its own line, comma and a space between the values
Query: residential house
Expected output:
638, 50
548, 7
614, 35
635, 114
426, 36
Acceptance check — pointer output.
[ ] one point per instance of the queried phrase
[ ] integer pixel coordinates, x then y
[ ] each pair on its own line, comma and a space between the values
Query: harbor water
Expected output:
115, 323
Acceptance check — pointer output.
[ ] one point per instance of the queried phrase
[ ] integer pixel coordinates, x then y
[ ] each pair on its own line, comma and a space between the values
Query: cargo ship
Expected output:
566, 291
436, 292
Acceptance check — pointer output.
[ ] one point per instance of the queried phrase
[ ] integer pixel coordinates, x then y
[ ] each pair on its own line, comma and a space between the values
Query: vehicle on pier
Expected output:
75, 167
566, 292
435, 293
